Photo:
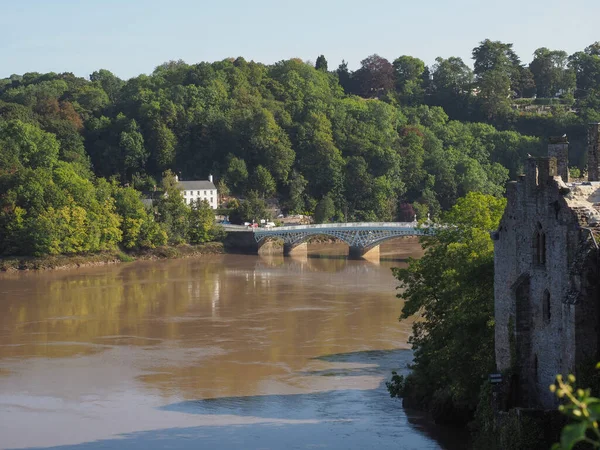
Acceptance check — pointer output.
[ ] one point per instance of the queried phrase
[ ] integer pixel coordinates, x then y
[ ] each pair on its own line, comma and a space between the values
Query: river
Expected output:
222, 351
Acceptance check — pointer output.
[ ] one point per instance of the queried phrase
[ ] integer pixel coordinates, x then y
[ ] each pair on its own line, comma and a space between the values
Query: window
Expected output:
539, 246
546, 311
535, 369
204, 192
197, 192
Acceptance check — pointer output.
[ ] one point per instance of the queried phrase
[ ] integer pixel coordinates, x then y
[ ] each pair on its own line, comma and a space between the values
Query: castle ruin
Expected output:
546, 282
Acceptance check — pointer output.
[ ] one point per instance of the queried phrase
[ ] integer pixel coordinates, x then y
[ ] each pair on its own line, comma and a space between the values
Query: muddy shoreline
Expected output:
62, 262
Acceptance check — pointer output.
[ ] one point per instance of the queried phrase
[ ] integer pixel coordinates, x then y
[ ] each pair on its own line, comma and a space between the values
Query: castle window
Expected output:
546, 307
539, 246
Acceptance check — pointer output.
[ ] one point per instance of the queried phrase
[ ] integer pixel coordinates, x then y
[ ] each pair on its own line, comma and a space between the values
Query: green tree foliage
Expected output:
202, 227
297, 194
409, 73
499, 57
325, 210
237, 174
110, 83
321, 63
451, 86
172, 212
138, 226
24, 145
262, 182
47, 207
384, 135
451, 288
551, 73
582, 409
131, 143
252, 209
345, 78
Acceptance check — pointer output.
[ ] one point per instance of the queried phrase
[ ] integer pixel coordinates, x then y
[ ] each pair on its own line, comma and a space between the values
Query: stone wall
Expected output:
538, 332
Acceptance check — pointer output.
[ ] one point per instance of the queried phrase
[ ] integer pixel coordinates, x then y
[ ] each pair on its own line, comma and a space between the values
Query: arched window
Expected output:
546, 311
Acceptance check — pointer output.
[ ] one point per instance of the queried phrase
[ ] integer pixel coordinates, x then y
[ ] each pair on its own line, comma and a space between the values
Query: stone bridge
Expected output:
363, 238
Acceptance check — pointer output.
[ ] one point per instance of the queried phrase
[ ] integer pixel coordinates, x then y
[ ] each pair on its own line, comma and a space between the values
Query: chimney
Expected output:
593, 152
210, 178
558, 147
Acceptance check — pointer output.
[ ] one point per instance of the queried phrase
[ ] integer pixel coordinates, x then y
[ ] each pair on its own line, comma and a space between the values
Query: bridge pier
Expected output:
295, 250
357, 252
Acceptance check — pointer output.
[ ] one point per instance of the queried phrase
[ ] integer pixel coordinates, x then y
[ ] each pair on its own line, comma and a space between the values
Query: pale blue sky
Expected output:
129, 37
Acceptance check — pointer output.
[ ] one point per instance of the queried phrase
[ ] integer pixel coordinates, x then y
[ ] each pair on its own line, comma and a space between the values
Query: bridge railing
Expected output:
339, 226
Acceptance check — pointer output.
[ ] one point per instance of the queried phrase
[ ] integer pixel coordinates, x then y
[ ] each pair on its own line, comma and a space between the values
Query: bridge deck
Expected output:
357, 234
341, 226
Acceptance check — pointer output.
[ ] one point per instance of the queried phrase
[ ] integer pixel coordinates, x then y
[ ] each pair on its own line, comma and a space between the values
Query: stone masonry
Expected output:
546, 282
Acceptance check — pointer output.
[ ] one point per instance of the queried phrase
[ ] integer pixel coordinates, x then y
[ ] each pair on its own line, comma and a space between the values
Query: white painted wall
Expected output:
210, 195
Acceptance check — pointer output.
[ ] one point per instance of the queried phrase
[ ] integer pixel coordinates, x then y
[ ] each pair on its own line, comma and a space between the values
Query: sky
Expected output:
130, 37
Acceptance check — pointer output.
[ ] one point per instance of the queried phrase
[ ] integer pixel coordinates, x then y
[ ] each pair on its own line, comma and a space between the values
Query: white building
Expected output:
199, 190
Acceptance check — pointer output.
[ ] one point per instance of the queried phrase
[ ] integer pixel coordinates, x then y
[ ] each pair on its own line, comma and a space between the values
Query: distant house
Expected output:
199, 190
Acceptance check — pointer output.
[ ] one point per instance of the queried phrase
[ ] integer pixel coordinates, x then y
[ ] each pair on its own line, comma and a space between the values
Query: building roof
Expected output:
195, 185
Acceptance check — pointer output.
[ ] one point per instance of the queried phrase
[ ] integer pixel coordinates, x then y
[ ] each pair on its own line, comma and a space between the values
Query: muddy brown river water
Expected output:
223, 352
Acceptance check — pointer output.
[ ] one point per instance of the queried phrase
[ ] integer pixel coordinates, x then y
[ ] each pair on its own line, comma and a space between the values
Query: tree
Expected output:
496, 56
409, 73
325, 210
406, 213
345, 78
270, 145
321, 63
494, 94
25, 145
375, 76
451, 288
452, 82
110, 83
138, 227
237, 174
586, 66
496, 65
297, 187
222, 190
201, 223
132, 147
252, 209
262, 182
172, 211
551, 72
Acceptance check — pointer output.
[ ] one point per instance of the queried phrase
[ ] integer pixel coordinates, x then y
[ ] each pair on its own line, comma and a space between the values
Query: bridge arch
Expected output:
361, 237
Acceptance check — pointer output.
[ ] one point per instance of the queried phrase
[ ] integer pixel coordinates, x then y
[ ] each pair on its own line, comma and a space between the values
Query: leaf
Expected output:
594, 408
572, 434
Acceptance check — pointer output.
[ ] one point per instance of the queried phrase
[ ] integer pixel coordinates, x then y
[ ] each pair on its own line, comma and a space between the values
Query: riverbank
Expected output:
54, 262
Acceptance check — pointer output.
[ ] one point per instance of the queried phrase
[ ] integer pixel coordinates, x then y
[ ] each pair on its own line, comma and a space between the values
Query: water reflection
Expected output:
341, 418
139, 350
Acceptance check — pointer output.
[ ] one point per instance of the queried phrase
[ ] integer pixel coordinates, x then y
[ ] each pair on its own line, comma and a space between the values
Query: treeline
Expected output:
385, 142
52, 206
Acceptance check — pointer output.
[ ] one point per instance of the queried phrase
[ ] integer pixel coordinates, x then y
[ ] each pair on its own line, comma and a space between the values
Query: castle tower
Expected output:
559, 148
594, 152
